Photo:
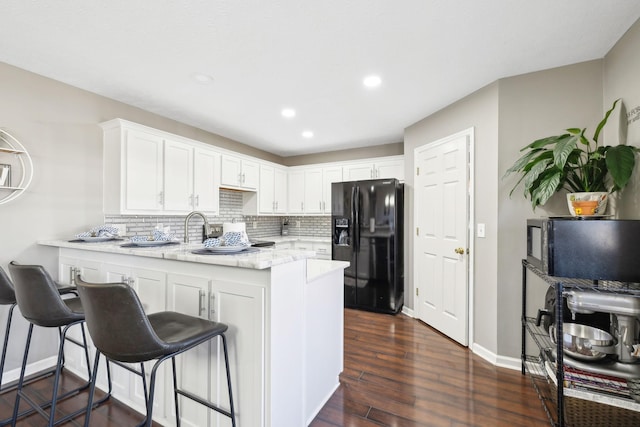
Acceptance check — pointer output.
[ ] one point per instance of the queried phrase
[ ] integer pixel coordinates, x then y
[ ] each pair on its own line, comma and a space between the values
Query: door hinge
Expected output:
417, 292
418, 171
417, 231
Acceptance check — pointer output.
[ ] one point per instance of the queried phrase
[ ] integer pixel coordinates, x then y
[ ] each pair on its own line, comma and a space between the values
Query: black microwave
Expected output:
595, 249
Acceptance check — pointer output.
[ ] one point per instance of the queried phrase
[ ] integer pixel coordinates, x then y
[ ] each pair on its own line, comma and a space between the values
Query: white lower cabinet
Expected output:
189, 295
242, 307
322, 249
272, 354
201, 370
68, 269
151, 288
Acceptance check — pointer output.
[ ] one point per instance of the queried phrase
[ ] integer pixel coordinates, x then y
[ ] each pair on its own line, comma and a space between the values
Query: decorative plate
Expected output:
97, 238
227, 249
152, 242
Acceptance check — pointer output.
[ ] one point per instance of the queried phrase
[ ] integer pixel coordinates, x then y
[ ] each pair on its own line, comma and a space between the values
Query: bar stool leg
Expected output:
175, 391
152, 389
226, 363
21, 380
6, 342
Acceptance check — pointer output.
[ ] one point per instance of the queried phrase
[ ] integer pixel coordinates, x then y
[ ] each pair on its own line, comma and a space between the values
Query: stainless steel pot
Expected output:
584, 342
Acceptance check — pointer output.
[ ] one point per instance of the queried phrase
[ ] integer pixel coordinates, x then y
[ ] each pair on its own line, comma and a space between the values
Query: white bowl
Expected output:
601, 197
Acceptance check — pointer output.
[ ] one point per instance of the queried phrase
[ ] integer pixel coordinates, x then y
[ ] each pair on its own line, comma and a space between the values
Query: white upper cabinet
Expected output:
178, 177
143, 178
238, 172
147, 171
272, 192
382, 168
206, 180
296, 191
329, 176
310, 189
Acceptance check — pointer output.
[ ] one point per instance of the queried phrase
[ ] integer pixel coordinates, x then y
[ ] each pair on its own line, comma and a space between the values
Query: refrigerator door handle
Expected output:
355, 214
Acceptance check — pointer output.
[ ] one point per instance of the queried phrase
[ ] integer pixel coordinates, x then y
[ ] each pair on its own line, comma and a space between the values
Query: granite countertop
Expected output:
290, 238
261, 259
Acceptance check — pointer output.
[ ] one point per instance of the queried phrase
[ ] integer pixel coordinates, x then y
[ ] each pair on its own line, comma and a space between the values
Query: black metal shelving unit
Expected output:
547, 368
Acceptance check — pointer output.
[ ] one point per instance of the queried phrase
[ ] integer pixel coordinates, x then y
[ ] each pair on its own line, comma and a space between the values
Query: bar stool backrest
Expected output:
7, 294
117, 323
38, 297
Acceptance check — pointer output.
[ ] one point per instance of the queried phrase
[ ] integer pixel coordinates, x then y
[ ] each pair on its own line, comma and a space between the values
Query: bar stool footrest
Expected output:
204, 402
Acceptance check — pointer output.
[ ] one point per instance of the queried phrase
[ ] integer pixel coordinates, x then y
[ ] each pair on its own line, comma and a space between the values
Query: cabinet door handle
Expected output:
212, 306
197, 200
161, 198
201, 303
301, 206
72, 275
243, 178
320, 205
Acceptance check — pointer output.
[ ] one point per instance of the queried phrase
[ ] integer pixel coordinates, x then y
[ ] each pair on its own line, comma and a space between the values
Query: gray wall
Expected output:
342, 155
506, 116
533, 106
622, 80
478, 111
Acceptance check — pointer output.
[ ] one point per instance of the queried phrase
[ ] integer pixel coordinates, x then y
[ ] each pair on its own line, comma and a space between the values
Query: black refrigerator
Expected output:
366, 221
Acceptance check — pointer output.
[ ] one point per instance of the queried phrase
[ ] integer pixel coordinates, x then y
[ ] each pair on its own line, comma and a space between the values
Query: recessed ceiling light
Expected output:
288, 113
202, 78
372, 81
307, 134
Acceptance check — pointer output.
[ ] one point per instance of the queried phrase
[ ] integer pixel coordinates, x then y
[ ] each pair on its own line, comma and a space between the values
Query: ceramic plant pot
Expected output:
585, 204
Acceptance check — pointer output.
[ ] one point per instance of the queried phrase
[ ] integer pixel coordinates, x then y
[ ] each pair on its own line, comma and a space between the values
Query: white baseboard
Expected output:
33, 368
408, 311
497, 360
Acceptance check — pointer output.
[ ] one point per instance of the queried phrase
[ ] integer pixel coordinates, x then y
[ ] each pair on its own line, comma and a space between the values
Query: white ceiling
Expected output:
310, 55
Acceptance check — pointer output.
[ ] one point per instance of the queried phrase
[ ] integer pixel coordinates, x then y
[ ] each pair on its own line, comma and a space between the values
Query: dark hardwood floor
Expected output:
397, 372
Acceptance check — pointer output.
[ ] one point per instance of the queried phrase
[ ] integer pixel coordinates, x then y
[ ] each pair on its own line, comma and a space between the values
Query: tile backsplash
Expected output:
230, 211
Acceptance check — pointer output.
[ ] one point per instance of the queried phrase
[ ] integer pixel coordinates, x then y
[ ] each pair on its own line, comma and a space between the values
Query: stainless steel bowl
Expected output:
584, 342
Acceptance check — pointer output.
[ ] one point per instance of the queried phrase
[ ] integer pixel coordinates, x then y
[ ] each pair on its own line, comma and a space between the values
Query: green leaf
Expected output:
604, 121
535, 172
549, 185
562, 150
540, 143
575, 131
620, 161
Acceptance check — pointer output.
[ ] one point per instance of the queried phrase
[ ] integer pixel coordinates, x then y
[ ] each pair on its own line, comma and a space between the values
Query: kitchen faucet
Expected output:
207, 228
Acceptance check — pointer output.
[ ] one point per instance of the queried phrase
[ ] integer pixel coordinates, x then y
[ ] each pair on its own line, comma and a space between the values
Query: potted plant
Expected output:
573, 162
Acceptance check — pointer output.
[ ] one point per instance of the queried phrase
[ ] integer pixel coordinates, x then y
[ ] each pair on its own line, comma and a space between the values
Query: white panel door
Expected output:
250, 174
231, 171
329, 176
280, 191
178, 177
242, 308
390, 169
206, 181
144, 171
313, 189
296, 192
358, 171
266, 195
188, 295
441, 217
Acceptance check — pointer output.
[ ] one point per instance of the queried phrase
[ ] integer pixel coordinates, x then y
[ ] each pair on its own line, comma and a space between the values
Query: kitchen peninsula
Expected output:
285, 316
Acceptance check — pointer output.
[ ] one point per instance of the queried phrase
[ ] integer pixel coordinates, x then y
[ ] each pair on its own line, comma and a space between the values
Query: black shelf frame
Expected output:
547, 348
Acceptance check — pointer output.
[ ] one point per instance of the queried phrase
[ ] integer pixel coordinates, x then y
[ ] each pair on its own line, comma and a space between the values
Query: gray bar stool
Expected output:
40, 303
8, 297
134, 337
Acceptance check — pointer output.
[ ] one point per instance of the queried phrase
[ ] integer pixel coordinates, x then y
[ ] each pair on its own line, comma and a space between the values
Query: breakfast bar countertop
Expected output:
261, 259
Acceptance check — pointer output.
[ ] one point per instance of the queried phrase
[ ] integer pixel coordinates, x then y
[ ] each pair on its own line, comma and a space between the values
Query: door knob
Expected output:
459, 251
